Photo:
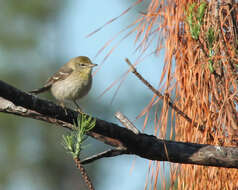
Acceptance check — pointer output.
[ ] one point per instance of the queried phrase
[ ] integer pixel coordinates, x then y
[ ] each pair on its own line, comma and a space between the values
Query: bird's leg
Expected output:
64, 107
78, 107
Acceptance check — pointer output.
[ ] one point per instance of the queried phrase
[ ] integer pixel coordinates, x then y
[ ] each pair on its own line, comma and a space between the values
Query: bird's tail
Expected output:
40, 90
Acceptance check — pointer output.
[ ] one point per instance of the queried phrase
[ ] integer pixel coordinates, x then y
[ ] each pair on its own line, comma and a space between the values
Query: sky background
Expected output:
63, 37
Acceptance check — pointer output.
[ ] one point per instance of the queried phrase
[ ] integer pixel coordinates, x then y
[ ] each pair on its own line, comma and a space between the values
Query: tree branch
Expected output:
146, 146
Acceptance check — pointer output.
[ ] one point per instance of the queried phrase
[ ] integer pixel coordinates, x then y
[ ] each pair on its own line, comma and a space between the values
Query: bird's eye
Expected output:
82, 64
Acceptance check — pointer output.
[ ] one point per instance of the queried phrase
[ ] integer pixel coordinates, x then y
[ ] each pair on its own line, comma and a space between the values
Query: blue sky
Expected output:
66, 34
78, 20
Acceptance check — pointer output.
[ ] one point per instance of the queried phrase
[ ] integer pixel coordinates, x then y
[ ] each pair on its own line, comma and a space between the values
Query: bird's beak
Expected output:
94, 65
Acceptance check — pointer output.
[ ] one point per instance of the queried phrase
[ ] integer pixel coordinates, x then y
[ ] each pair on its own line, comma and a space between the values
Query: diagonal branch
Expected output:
171, 104
143, 145
107, 153
126, 122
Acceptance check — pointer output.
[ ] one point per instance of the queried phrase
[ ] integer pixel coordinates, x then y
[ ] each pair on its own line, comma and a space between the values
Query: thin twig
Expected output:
126, 122
171, 104
107, 153
84, 174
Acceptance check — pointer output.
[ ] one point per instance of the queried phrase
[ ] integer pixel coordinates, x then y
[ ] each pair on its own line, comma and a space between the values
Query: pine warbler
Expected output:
73, 80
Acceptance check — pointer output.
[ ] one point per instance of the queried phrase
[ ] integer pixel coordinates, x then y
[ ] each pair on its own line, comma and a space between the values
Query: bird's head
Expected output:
82, 64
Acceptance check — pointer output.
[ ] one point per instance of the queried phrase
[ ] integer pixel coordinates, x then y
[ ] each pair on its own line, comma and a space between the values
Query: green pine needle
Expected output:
73, 142
195, 18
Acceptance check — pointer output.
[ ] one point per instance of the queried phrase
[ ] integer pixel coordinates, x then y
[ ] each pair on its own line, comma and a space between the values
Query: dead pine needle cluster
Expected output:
200, 39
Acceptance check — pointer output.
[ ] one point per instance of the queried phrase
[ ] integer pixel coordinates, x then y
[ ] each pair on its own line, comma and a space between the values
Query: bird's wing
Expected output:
62, 74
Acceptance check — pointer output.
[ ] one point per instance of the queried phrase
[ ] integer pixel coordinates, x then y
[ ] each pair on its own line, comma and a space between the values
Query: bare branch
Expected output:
107, 153
171, 104
126, 122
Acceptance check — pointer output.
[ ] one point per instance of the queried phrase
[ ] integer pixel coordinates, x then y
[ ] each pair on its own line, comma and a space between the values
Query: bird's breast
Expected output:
73, 87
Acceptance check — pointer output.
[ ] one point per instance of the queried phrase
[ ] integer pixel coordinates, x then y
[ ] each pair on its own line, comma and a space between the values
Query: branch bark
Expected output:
15, 101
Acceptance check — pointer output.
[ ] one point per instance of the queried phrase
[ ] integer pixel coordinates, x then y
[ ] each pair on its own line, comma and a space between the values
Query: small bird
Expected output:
73, 80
